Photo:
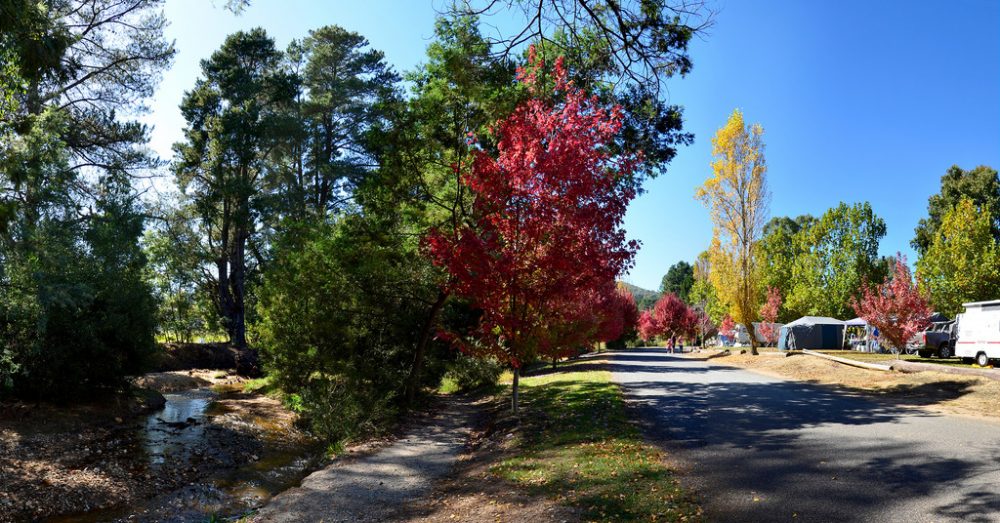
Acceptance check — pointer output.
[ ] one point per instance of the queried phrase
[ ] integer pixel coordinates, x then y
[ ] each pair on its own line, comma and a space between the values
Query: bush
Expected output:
76, 316
340, 408
469, 373
340, 313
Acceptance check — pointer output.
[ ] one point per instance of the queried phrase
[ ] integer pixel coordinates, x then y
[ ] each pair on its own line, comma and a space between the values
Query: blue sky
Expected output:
859, 100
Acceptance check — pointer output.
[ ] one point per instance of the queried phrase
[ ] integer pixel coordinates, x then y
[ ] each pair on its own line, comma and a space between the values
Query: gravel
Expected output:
374, 487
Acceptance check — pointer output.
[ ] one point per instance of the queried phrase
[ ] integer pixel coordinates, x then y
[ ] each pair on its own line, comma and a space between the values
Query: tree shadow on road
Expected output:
745, 439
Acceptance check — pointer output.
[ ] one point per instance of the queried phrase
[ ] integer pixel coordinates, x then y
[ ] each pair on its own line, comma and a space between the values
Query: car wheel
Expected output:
944, 351
982, 360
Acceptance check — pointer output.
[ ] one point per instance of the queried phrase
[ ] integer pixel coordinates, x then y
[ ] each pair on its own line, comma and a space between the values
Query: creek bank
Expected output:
215, 356
205, 452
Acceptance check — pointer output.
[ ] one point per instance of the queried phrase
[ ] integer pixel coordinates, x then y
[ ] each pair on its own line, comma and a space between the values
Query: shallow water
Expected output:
239, 473
175, 432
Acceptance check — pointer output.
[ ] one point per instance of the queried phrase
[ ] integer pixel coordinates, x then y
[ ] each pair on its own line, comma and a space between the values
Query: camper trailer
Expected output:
979, 332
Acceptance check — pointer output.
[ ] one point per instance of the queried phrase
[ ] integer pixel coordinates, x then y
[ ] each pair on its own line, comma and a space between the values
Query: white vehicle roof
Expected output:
980, 304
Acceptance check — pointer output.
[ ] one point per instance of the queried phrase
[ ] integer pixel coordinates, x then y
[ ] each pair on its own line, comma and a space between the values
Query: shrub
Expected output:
470, 373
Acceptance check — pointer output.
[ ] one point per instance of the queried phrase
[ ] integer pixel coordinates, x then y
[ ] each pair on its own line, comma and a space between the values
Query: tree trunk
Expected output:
413, 380
514, 389
553, 363
753, 338
237, 284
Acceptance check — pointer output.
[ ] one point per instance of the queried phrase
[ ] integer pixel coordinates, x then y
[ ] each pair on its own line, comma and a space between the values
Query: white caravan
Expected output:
979, 332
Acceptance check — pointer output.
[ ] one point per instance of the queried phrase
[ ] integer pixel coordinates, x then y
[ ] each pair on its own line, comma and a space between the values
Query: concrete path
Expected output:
764, 449
374, 488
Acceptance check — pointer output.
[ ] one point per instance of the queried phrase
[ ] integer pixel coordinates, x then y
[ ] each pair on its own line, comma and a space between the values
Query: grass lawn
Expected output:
575, 444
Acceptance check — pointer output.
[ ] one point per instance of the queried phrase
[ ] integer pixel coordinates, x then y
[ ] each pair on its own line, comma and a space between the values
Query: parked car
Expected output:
938, 340
979, 332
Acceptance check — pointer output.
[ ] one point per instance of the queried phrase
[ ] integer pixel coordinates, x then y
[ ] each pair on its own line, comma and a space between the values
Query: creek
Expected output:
214, 461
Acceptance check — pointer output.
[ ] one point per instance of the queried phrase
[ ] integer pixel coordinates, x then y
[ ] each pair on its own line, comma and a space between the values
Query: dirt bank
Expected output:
111, 457
216, 356
172, 381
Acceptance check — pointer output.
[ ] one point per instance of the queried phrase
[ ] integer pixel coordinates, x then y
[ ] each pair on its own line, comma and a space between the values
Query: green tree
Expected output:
180, 281
460, 90
839, 255
703, 294
355, 269
346, 89
780, 247
75, 312
235, 116
980, 185
337, 323
962, 263
678, 280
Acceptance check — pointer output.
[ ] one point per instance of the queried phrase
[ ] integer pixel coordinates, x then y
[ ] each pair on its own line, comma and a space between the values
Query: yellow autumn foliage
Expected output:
737, 198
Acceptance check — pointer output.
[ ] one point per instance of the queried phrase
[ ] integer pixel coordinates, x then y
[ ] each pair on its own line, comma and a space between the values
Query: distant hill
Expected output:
644, 298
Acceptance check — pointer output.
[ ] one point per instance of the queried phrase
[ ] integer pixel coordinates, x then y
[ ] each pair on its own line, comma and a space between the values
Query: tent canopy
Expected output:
812, 332
815, 320
856, 322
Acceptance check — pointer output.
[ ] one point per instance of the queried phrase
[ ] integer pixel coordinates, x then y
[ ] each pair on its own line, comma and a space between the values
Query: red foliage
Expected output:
546, 237
596, 315
619, 314
671, 315
647, 326
896, 307
769, 316
727, 327
691, 326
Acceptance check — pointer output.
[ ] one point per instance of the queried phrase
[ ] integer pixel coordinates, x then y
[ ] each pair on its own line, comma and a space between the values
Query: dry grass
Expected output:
967, 395
874, 357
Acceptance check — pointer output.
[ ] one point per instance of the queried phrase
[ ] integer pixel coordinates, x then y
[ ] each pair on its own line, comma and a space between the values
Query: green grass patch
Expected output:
266, 386
449, 385
575, 444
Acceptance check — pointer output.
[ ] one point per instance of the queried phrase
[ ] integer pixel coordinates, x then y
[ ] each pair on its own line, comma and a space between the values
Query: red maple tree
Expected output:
671, 315
648, 329
604, 314
619, 314
691, 326
728, 327
547, 215
896, 308
769, 316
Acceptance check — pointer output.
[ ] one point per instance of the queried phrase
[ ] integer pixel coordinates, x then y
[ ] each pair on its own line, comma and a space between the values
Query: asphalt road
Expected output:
759, 448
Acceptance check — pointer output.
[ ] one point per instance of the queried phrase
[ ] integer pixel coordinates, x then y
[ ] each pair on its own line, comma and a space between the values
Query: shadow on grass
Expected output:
566, 368
575, 440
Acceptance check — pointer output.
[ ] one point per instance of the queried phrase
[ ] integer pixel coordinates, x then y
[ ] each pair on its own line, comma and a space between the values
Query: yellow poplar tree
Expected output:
737, 198
962, 263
